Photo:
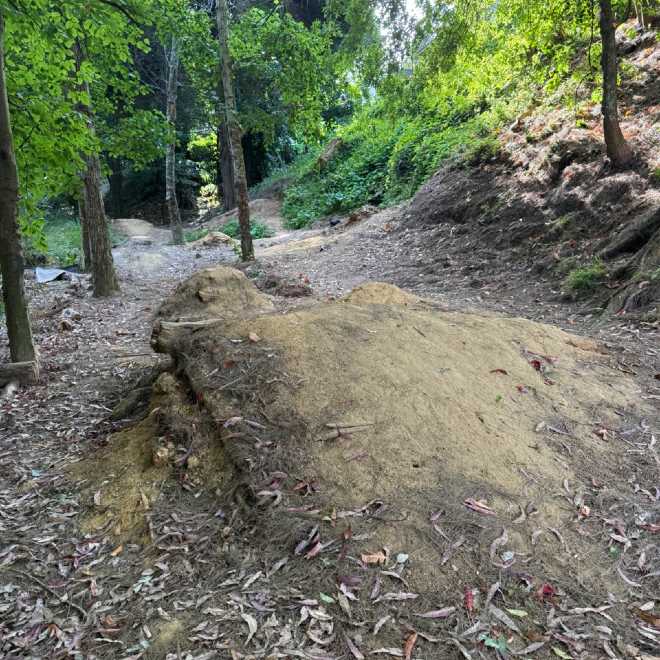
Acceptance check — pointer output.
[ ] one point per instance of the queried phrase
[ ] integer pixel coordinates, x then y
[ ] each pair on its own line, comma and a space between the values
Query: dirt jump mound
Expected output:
396, 450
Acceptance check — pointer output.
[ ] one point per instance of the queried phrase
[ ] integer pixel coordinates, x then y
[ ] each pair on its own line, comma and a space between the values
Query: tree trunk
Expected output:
86, 252
21, 346
116, 180
104, 279
235, 146
94, 225
618, 149
171, 204
225, 169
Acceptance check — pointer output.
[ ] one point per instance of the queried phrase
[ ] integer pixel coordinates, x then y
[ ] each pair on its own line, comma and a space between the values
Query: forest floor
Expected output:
54, 569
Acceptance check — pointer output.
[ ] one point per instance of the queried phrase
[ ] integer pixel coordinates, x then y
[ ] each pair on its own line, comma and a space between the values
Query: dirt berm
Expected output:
424, 430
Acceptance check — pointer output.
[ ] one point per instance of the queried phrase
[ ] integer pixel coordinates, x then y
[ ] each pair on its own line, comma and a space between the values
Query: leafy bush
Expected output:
195, 234
383, 162
587, 278
257, 229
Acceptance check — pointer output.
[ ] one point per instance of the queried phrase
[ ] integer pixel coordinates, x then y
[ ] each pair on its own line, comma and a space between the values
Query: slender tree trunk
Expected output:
225, 169
618, 149
21, 346
86, 253
116, 180
171, 203
236, 149
94, 230
104, 279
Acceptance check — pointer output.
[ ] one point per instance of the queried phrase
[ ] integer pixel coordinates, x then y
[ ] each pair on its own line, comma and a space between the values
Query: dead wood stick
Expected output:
52, 592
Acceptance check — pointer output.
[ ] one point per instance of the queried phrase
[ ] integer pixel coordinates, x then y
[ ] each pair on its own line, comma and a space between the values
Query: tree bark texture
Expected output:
116, 180
21, 346
225, 169
104, 279
94, 225
618, 150
171, 204
86, 252
235, 146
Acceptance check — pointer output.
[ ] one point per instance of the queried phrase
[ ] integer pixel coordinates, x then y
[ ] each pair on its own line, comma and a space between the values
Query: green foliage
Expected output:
286, 71
587, 278
193, 235
257, 229
655, 176
383, 162
59, 241
476, 66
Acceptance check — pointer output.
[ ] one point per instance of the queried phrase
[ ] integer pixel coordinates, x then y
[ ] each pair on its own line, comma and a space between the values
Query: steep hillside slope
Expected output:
550, 200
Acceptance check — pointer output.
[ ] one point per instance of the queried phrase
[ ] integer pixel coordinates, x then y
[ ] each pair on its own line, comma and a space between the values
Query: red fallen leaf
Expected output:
316, 548
479, 507
545, 592
228, 364
536, 364
409, 645
547, 381
313, 539
468, 599
199, 397
522, 389
499, 371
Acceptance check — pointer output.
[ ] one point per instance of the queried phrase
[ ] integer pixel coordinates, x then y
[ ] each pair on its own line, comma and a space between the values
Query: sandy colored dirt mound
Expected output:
387, 400
380, 449
214, 293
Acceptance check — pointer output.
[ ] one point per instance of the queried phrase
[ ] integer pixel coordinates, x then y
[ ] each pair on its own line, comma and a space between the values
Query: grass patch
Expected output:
257, 229
586, 278
61, 237
195, 234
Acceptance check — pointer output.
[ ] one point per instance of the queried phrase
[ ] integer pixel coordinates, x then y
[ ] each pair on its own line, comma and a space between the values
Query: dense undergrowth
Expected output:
384, 160
474, 68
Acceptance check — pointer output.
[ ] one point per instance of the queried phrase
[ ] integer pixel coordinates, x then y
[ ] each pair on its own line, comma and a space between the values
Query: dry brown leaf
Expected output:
379, 557
409, 645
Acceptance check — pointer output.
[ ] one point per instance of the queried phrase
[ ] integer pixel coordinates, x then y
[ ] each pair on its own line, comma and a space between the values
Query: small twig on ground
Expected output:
52, 592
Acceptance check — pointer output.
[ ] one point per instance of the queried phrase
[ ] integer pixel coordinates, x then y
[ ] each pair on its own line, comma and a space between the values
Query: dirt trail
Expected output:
66, 591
